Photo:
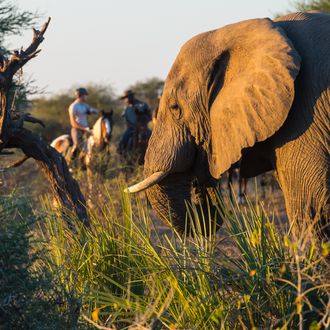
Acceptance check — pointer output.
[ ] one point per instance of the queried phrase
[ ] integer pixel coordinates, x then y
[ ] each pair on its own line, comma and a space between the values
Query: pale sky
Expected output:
119, 42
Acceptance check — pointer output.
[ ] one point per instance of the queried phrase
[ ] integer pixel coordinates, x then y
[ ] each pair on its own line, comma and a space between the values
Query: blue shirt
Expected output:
139, 111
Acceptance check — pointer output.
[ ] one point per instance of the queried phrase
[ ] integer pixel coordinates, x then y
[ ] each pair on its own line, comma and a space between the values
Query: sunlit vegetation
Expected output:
128, 271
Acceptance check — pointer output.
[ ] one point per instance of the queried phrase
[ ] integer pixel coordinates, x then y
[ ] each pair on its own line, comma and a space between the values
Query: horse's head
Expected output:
102, 129
107, 122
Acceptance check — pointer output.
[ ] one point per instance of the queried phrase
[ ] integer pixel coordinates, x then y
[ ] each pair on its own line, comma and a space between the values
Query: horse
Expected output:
62, 144
101, 135
138, 142
136, 146
97, 140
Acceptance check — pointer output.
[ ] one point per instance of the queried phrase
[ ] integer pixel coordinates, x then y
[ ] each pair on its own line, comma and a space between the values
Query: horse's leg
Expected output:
90, 178
75, 136
90, 187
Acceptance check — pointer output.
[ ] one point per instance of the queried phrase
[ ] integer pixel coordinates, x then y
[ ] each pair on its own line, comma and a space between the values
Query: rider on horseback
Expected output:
78, 112
137, 116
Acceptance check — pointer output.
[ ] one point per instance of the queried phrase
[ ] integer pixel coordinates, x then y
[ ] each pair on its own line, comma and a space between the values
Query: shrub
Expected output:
31, 297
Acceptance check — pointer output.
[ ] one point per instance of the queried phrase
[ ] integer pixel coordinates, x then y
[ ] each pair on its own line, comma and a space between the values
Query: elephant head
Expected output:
227, 89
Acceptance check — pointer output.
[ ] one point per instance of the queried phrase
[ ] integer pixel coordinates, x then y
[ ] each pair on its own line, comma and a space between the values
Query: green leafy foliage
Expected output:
322, 5
13, 20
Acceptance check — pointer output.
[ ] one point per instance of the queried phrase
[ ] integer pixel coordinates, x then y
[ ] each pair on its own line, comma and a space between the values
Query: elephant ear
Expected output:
250, 87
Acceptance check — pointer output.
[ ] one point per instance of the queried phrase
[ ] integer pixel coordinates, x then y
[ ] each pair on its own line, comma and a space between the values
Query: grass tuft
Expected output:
127, 272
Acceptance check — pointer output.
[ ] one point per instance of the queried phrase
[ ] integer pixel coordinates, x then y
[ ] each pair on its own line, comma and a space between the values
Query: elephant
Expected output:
257, 90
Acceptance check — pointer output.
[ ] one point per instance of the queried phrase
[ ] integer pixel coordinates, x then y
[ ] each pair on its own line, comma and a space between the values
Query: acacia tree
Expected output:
14, 135
323, 5
149, 90
13, 21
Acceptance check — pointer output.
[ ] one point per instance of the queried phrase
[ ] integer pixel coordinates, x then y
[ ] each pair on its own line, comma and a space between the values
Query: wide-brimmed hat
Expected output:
126, 94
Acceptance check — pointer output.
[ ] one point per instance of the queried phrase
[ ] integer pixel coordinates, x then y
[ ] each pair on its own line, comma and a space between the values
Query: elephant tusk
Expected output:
147, 183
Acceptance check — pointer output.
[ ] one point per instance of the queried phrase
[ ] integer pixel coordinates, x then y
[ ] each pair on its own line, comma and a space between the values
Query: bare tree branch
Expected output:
27, 117
34, 120
19, 58
8, 68
6, 153
18, 162
13, 135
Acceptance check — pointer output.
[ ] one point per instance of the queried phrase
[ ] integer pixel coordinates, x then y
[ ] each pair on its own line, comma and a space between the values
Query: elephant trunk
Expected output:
169, 198
174, 193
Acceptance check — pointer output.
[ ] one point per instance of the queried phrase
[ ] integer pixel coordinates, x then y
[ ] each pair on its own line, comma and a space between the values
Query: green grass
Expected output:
127, 273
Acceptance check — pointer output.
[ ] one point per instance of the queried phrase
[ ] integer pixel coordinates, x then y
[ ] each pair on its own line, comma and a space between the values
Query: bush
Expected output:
31, 297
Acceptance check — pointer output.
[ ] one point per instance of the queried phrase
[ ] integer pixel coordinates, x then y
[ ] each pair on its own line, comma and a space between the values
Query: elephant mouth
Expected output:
171, 194
158, 176
147, 182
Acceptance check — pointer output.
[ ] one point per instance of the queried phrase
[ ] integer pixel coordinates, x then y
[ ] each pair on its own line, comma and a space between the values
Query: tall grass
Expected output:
128, 273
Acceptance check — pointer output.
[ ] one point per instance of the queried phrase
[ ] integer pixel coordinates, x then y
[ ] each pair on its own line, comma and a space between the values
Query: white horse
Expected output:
97, 140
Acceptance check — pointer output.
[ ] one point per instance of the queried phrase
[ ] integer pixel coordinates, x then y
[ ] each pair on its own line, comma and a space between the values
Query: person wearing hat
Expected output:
78, 112
137, 115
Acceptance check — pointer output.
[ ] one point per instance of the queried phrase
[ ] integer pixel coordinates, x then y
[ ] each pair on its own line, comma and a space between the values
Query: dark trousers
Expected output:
125, 139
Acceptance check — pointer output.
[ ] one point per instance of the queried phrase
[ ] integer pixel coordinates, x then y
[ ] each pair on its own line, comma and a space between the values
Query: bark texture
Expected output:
14, 135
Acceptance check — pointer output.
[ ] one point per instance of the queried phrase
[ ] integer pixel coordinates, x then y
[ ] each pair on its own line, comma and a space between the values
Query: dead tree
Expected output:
14, 135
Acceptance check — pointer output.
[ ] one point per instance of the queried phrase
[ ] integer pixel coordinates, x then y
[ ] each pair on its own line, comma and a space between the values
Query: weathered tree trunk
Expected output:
13, 135
54, 167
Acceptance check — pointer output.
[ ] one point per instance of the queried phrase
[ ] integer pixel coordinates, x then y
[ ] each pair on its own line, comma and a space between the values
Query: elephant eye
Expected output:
176, 111
174, 106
